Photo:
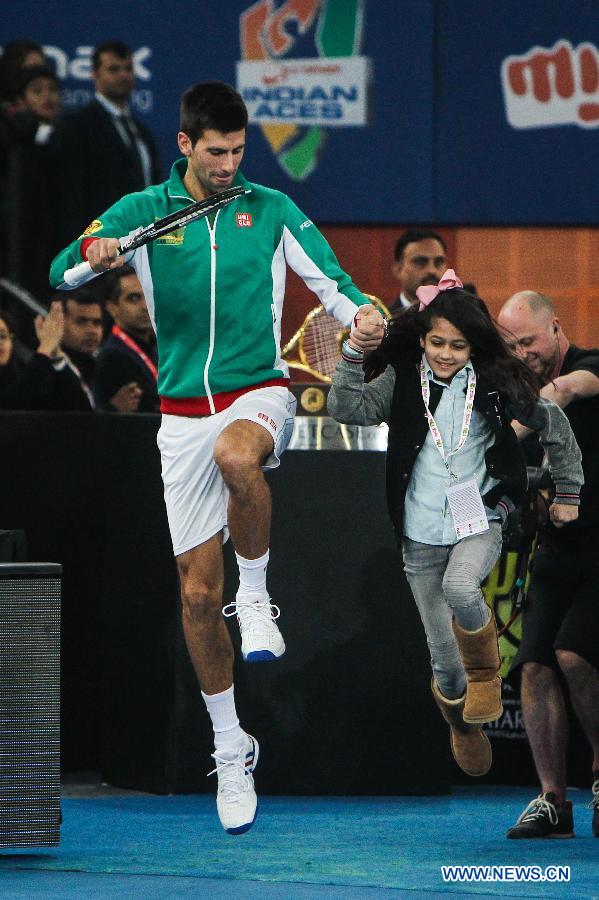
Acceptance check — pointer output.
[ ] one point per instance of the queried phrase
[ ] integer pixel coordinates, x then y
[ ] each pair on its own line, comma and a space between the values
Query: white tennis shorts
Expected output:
195, 494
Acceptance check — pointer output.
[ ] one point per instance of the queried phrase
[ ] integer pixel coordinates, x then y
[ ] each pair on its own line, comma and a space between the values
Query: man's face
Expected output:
534, 337
114, 77
82, 327
214, 158
130, 311
422, 262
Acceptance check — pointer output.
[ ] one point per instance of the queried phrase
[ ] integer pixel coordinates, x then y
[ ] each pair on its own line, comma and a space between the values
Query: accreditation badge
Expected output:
467, 508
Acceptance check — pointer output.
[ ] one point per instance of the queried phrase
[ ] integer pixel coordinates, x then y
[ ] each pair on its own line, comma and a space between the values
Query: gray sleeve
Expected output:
563, 453
352, 402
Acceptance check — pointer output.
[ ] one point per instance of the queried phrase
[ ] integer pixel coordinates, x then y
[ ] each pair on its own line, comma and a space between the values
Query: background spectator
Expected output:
42, 383
80, 344
38, 94
129, 356
29, 216
17, 55
419, 259
101, 152
81, 340
560, 620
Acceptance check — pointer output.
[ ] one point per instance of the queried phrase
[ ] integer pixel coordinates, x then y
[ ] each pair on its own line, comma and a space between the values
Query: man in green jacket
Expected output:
215, 294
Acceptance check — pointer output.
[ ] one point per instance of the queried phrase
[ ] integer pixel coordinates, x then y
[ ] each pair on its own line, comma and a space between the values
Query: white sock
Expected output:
228, 733
252, 574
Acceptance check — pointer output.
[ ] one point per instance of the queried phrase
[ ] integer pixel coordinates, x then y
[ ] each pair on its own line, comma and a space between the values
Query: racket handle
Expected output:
78, 275
82, 273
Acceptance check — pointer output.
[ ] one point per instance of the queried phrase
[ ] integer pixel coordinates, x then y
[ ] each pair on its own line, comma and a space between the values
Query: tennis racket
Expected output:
316, 345
82, 273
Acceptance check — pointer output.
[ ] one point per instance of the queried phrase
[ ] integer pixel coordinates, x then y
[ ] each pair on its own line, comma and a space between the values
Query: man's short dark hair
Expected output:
112, 281
82, 295
119, 49
412, 236
212, 104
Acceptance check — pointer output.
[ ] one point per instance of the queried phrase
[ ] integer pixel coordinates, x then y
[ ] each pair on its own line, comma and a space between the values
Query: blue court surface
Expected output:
131, 845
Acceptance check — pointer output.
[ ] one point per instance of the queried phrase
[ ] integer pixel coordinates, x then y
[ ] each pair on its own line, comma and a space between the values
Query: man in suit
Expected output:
419, 259
129, 358
101, 152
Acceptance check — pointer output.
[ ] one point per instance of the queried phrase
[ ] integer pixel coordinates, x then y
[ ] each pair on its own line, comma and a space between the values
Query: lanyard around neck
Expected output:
82, 383
133, 345
434, 429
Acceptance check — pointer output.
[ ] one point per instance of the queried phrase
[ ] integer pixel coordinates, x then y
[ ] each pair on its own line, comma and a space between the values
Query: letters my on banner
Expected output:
332, 91
555, 86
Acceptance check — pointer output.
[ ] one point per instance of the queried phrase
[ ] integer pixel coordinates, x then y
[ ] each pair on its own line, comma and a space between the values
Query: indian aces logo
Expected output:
294, 98
555, 86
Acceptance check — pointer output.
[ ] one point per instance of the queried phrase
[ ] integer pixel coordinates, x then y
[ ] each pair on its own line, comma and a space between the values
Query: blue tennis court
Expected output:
132, 845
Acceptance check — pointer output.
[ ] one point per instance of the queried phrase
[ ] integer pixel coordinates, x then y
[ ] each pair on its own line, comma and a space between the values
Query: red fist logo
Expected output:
558, 86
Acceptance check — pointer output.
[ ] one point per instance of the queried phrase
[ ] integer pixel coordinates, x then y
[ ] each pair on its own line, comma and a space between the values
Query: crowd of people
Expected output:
96, 350
73, 367
57, 170
461, 393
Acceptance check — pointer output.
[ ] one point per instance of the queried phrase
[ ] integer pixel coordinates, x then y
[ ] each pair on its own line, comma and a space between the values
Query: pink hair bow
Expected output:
426, 293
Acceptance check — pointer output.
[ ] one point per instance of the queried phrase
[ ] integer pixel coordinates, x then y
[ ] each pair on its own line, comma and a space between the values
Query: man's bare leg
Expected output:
583, 684
211, 652
240, 452
546, 724
206, 635
550, 815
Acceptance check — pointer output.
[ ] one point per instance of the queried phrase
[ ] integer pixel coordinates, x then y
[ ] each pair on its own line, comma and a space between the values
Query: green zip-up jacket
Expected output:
215, 289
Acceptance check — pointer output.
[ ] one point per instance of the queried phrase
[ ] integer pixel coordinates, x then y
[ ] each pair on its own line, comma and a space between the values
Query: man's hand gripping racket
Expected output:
110, 253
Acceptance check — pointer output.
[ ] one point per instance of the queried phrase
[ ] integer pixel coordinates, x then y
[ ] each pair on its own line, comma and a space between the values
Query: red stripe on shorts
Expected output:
200, 406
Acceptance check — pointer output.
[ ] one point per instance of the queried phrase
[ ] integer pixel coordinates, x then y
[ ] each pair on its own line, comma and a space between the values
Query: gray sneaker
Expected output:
544, 818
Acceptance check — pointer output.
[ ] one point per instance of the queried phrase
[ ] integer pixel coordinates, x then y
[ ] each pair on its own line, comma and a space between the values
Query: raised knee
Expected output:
570, 663
235, 462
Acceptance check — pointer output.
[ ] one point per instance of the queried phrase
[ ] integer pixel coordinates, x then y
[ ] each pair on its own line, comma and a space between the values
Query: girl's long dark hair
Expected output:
491, 357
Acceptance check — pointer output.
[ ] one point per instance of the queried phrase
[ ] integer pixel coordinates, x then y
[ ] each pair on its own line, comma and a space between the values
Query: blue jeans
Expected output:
445, 581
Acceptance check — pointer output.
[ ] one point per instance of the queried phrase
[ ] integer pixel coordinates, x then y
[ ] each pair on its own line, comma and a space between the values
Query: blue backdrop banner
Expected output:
466, 111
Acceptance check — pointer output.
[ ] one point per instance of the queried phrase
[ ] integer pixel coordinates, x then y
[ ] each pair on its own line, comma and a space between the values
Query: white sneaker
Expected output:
261, 639
236, 801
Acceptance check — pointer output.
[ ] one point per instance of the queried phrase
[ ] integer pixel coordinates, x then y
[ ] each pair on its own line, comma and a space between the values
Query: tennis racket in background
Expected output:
23, 296
82, 273
316, 345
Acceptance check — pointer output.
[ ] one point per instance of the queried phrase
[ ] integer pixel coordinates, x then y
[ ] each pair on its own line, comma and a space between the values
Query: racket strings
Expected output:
321, 343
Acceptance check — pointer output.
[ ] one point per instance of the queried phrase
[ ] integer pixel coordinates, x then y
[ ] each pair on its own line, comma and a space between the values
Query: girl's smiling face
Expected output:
447, 350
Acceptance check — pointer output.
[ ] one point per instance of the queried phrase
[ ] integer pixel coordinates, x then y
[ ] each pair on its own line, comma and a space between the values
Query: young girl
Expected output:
448, 387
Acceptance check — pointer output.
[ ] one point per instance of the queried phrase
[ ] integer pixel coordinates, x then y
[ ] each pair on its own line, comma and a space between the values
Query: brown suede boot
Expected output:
480, 655
470, 746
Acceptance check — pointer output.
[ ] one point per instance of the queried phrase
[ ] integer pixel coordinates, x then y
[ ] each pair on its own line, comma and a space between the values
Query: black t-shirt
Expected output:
583, 416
